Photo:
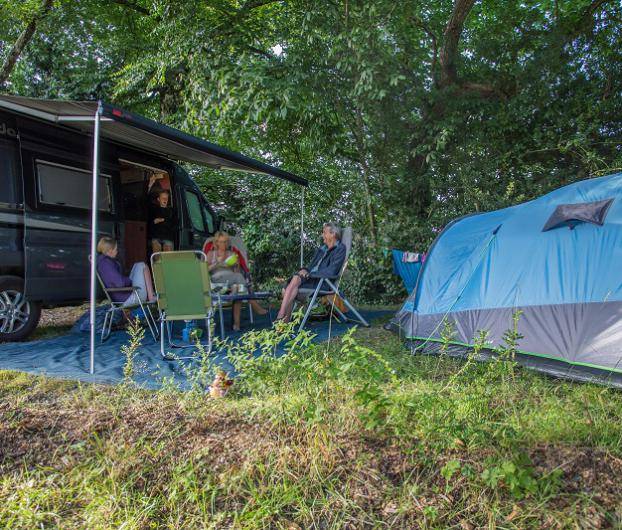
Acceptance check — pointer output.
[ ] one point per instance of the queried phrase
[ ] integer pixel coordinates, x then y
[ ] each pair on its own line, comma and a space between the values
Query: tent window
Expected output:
571, 215
68, 186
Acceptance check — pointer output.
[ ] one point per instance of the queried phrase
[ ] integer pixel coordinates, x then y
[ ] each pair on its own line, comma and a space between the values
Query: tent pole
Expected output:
302, 228
94, 212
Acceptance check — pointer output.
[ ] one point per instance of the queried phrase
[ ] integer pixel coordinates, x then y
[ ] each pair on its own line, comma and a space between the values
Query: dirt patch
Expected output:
62, 316
38, 436
586, 470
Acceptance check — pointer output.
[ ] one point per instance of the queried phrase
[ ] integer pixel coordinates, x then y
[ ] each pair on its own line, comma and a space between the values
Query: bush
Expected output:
370, 279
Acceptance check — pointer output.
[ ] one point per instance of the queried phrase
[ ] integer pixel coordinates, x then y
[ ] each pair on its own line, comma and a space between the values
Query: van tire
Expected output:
18, 317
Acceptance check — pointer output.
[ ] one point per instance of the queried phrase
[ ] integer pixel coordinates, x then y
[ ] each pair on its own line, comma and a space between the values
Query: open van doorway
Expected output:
147, 203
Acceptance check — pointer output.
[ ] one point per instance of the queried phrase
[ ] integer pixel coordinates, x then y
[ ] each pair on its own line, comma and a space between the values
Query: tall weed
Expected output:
130, 350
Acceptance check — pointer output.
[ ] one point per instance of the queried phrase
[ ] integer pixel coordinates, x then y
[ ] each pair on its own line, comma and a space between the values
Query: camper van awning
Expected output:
132, 130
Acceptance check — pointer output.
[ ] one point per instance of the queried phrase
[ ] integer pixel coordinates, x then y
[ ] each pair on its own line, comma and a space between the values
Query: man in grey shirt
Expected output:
326, 263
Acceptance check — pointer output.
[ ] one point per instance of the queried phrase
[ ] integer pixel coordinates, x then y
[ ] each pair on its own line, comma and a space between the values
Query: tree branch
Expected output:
254, 4
259, 52
133, 6
22, 41
451, 38
448, 55
587, 18
420, 24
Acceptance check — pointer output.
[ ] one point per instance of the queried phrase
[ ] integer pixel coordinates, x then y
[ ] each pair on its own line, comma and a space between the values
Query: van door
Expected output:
198, 221
11, 208
57, 225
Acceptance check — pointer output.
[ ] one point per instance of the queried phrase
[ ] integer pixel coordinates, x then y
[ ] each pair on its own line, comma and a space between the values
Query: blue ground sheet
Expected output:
67, 356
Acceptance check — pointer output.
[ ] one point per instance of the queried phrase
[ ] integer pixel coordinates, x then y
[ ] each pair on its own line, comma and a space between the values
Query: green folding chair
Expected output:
183, 289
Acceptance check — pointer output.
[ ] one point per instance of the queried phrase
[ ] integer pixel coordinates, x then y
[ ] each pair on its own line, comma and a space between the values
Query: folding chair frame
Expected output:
331, 290
118, 306
167, 324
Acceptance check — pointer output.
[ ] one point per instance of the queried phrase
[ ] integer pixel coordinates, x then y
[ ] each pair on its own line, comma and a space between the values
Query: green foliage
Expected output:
447, 334
200, 374
130, 350
354, 96
511, 338
517, 477
450, 469
254, 356
369, 277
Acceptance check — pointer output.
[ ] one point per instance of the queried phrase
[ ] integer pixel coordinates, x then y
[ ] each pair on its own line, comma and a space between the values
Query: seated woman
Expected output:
224, 271
109, 270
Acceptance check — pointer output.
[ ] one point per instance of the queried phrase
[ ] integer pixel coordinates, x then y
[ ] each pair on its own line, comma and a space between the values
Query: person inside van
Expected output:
224, 266
161, 228
109, 270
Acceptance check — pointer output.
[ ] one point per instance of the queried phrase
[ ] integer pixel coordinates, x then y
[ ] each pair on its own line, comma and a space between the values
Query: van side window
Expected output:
194, 211
69, 186
9, 173
209, 219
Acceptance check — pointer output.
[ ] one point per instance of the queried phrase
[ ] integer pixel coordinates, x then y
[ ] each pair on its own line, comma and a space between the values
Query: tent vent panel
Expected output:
583, 212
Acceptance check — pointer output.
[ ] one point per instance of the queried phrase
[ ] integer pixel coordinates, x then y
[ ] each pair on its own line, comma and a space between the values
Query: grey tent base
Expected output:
552, 367
580, 341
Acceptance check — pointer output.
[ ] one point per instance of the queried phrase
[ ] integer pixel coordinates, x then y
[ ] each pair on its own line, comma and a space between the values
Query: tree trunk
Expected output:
369, 204
416, 164
22, 41
371, 214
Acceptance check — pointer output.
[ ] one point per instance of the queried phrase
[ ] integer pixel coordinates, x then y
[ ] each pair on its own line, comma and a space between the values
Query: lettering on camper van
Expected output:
7, 131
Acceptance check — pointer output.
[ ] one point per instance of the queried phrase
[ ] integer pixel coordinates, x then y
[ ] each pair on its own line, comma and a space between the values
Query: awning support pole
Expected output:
94, 212
302, 228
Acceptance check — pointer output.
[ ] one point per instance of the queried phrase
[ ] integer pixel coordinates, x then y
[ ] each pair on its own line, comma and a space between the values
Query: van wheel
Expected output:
18, 316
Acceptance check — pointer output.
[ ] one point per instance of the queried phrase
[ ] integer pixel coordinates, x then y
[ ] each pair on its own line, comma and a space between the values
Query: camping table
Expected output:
241, 297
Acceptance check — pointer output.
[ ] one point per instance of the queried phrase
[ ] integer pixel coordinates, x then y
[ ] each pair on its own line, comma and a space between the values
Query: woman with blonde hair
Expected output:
224, 266
109, 270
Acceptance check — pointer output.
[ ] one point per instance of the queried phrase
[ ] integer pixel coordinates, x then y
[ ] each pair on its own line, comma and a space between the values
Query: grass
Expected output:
358, 434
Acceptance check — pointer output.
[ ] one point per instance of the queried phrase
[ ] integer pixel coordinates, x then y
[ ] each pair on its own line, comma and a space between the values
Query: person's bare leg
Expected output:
237, 311
289, 296
149, 284
257, 308
279, 314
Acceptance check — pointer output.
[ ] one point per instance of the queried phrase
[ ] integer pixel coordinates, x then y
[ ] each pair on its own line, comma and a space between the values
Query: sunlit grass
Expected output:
359, 433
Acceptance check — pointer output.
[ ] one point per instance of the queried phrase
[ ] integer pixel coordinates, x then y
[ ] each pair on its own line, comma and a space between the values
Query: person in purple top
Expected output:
109, 270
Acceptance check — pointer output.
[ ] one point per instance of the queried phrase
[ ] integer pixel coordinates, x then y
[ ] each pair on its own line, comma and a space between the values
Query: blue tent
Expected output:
557, 259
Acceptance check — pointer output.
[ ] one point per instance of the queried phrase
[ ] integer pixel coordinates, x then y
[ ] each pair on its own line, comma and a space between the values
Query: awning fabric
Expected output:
126, 128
